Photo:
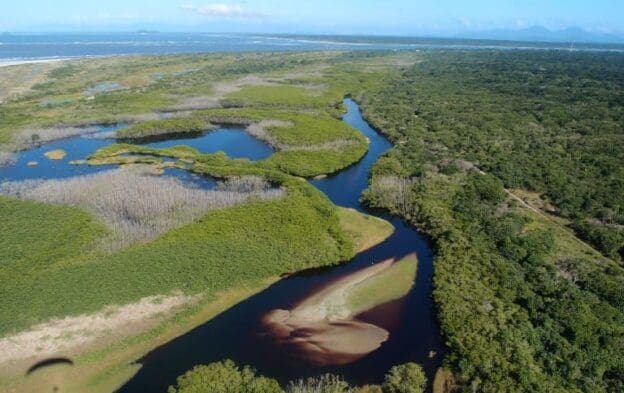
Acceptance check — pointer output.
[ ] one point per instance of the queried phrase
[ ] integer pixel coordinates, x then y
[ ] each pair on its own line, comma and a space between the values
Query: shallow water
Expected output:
235, 142
237, 334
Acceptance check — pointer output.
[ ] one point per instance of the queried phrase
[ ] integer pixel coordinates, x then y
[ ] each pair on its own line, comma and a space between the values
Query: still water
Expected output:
235, 142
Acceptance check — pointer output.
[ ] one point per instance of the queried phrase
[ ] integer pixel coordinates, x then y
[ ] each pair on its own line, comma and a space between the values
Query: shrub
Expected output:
405, 378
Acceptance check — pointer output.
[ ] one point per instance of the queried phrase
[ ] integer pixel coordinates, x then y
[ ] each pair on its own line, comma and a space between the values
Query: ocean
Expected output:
16, 47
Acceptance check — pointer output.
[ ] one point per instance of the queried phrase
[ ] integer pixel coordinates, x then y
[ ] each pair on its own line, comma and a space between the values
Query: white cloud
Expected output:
224, 11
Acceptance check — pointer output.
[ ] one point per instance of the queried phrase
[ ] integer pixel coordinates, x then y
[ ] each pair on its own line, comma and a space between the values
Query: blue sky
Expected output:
410, 17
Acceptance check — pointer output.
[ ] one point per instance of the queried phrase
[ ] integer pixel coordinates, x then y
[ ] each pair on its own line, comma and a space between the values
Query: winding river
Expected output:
237, 333
234, 334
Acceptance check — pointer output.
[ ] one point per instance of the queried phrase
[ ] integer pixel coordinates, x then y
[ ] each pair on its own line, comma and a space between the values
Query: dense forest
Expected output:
524, 303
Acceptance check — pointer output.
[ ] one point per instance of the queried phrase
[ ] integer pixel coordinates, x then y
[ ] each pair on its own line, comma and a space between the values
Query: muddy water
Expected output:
238, 334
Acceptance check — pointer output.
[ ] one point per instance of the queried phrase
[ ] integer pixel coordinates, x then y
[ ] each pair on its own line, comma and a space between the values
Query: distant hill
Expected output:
539, 33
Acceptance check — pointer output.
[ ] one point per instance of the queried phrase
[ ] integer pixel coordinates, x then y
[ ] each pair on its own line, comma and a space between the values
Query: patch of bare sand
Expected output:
222, 89
63, 337
19, 77
323, 329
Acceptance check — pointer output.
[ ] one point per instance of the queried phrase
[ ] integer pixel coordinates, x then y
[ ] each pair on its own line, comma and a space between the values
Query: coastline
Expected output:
8, 63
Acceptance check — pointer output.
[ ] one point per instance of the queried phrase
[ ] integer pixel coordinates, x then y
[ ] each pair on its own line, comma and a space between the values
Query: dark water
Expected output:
235, 142
63, 45
234, 334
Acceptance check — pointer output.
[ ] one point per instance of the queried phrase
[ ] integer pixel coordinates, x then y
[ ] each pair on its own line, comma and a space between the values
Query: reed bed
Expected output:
7, 158
33, 136
137, 205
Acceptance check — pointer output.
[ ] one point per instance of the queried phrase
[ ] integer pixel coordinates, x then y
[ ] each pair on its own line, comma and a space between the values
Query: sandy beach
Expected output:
8, 63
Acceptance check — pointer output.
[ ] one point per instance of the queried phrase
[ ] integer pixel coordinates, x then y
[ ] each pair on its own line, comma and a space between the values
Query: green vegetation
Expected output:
224, 377
162, 127
405, 378
524, 305
227, 377
365, 231
68, 273
306, 144
36, 237
549, 122
391, 284
225, 246
147, 84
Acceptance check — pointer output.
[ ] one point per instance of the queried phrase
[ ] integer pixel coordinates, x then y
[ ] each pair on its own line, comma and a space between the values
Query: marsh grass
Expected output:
136, 205
162, 127
7, 158
34, 136
244, 184
261, 130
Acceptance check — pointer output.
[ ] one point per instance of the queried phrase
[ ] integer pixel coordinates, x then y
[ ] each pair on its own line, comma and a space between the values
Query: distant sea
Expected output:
41, 46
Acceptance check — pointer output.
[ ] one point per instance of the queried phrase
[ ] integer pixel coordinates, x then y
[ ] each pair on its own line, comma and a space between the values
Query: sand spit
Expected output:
323, 328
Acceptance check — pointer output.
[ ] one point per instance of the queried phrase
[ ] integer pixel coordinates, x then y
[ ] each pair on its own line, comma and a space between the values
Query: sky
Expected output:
389, 17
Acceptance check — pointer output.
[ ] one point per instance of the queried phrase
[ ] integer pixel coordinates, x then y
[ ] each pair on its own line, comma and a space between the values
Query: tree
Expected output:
405, 378
224, 377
